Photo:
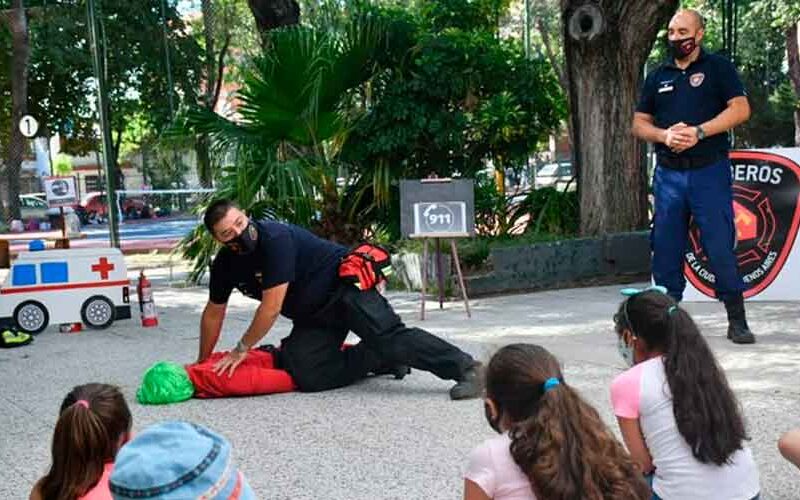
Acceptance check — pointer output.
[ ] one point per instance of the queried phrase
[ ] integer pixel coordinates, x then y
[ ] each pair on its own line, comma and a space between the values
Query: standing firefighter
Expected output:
296, 274
686, 107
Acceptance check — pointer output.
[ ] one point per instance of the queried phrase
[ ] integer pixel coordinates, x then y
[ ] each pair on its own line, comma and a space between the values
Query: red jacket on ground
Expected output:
255, 375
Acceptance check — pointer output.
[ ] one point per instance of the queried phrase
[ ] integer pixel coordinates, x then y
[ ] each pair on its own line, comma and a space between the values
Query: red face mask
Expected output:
683, 47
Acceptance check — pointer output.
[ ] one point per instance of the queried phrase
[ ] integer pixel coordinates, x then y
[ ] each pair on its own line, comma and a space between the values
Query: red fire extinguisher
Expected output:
147, 307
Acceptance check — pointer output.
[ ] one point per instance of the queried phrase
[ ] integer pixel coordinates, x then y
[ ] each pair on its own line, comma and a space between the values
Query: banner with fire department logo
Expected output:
766, 206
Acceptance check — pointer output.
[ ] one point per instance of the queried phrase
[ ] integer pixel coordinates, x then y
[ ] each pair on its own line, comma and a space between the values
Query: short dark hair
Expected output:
215, 212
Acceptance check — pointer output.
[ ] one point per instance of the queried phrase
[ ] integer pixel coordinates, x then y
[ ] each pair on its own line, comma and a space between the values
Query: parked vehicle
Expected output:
34, 206
557, 175
96, 207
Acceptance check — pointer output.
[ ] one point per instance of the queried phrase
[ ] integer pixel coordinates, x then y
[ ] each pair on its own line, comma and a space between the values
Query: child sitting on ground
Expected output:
176, 461
552, 444
679, 418
93, 424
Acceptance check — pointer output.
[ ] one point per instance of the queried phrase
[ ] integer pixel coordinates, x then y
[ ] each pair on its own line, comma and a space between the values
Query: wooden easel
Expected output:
440, 268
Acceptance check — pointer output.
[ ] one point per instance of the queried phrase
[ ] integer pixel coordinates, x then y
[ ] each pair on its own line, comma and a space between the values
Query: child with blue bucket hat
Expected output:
178, 460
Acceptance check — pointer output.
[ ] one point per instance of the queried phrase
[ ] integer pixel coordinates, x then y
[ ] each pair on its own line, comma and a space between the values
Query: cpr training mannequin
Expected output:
258, 374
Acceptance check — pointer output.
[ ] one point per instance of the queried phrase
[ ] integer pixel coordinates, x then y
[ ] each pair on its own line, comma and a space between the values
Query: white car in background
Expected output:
35, 206
556, 175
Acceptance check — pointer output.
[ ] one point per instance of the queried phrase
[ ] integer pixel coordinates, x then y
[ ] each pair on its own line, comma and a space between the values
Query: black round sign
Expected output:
766, 189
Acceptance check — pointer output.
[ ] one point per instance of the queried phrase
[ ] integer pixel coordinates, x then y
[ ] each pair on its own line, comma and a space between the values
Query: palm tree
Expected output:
296, 111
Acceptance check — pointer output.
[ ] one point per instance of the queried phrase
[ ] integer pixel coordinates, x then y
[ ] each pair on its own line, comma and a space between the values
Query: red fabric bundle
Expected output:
255, 375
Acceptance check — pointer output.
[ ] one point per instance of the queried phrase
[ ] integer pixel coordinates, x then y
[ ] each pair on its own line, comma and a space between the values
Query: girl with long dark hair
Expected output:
679, 418
552, 444
93, 424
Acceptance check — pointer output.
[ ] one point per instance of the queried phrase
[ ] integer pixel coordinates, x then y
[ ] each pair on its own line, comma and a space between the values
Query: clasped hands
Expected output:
681, 137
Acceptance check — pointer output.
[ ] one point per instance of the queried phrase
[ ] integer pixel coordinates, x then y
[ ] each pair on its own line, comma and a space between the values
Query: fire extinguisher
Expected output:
147, 307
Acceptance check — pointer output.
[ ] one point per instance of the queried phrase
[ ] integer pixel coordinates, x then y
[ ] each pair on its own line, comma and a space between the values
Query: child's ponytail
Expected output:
706, 411
568, 453
557, 439
93, 422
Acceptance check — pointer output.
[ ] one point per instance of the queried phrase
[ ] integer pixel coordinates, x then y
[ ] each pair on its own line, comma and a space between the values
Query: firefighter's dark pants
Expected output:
312, 354
704, 193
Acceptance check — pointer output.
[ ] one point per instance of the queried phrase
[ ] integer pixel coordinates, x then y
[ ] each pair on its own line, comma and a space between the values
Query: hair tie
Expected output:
550, 383
82, 402
671, 310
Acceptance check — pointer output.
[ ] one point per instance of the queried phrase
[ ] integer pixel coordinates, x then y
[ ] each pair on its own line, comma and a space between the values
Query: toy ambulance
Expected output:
88, 285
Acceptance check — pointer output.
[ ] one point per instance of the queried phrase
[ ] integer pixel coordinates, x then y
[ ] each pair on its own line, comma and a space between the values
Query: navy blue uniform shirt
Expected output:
285, 254
693, 95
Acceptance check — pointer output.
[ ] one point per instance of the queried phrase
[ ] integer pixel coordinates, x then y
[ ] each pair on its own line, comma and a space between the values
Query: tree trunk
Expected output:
201, 141
605, 45
18, 25
208, 32
793, 54
558, 68
271, 14
214, 73
204, 173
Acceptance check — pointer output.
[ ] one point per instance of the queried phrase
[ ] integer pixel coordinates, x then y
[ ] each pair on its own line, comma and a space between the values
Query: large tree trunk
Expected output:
18, 24
605, 45
793, 54
271, 14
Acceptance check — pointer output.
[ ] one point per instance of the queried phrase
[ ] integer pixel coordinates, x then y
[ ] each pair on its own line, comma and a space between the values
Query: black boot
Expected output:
471, 384
738, 331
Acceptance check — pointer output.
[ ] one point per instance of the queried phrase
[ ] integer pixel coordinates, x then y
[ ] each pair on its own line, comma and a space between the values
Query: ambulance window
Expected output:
54, 272
24, 274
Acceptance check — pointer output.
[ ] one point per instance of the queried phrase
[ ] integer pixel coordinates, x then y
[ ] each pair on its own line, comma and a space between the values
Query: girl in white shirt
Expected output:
552, 444
679, 418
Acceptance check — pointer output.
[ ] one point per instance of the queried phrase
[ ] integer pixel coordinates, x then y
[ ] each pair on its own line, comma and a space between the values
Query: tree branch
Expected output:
550, 53
793, 53
220, 71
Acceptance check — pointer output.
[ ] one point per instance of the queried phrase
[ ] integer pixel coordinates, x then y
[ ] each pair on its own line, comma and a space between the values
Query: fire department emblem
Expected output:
766, 216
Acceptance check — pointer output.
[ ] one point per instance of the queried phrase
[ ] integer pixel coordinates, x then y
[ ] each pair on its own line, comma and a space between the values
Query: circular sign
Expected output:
28, 126
438, 218
766, 218
60, 188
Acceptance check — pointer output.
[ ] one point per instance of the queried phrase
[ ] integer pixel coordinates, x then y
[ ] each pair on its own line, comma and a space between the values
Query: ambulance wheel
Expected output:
31, 317
97, 312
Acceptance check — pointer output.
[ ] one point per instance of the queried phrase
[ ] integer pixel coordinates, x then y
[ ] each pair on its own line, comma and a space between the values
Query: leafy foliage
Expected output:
335, 111
459, 98
293, 117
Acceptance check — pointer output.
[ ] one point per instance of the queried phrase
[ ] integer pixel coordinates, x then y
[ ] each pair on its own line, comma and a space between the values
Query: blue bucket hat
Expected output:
178, 460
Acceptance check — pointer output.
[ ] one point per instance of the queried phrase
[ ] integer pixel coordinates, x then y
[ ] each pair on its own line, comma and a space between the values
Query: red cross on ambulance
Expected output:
103, 267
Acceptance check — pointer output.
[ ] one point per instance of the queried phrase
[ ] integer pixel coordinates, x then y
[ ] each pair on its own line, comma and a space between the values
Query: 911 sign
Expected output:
437, 208
440, 218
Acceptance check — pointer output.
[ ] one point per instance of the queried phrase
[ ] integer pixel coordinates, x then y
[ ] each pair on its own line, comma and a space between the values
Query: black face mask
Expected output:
494, 422
681, 49
246, 242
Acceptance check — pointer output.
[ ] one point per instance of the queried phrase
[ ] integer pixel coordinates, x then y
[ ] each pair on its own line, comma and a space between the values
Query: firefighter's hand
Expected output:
229, 363
681, 137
